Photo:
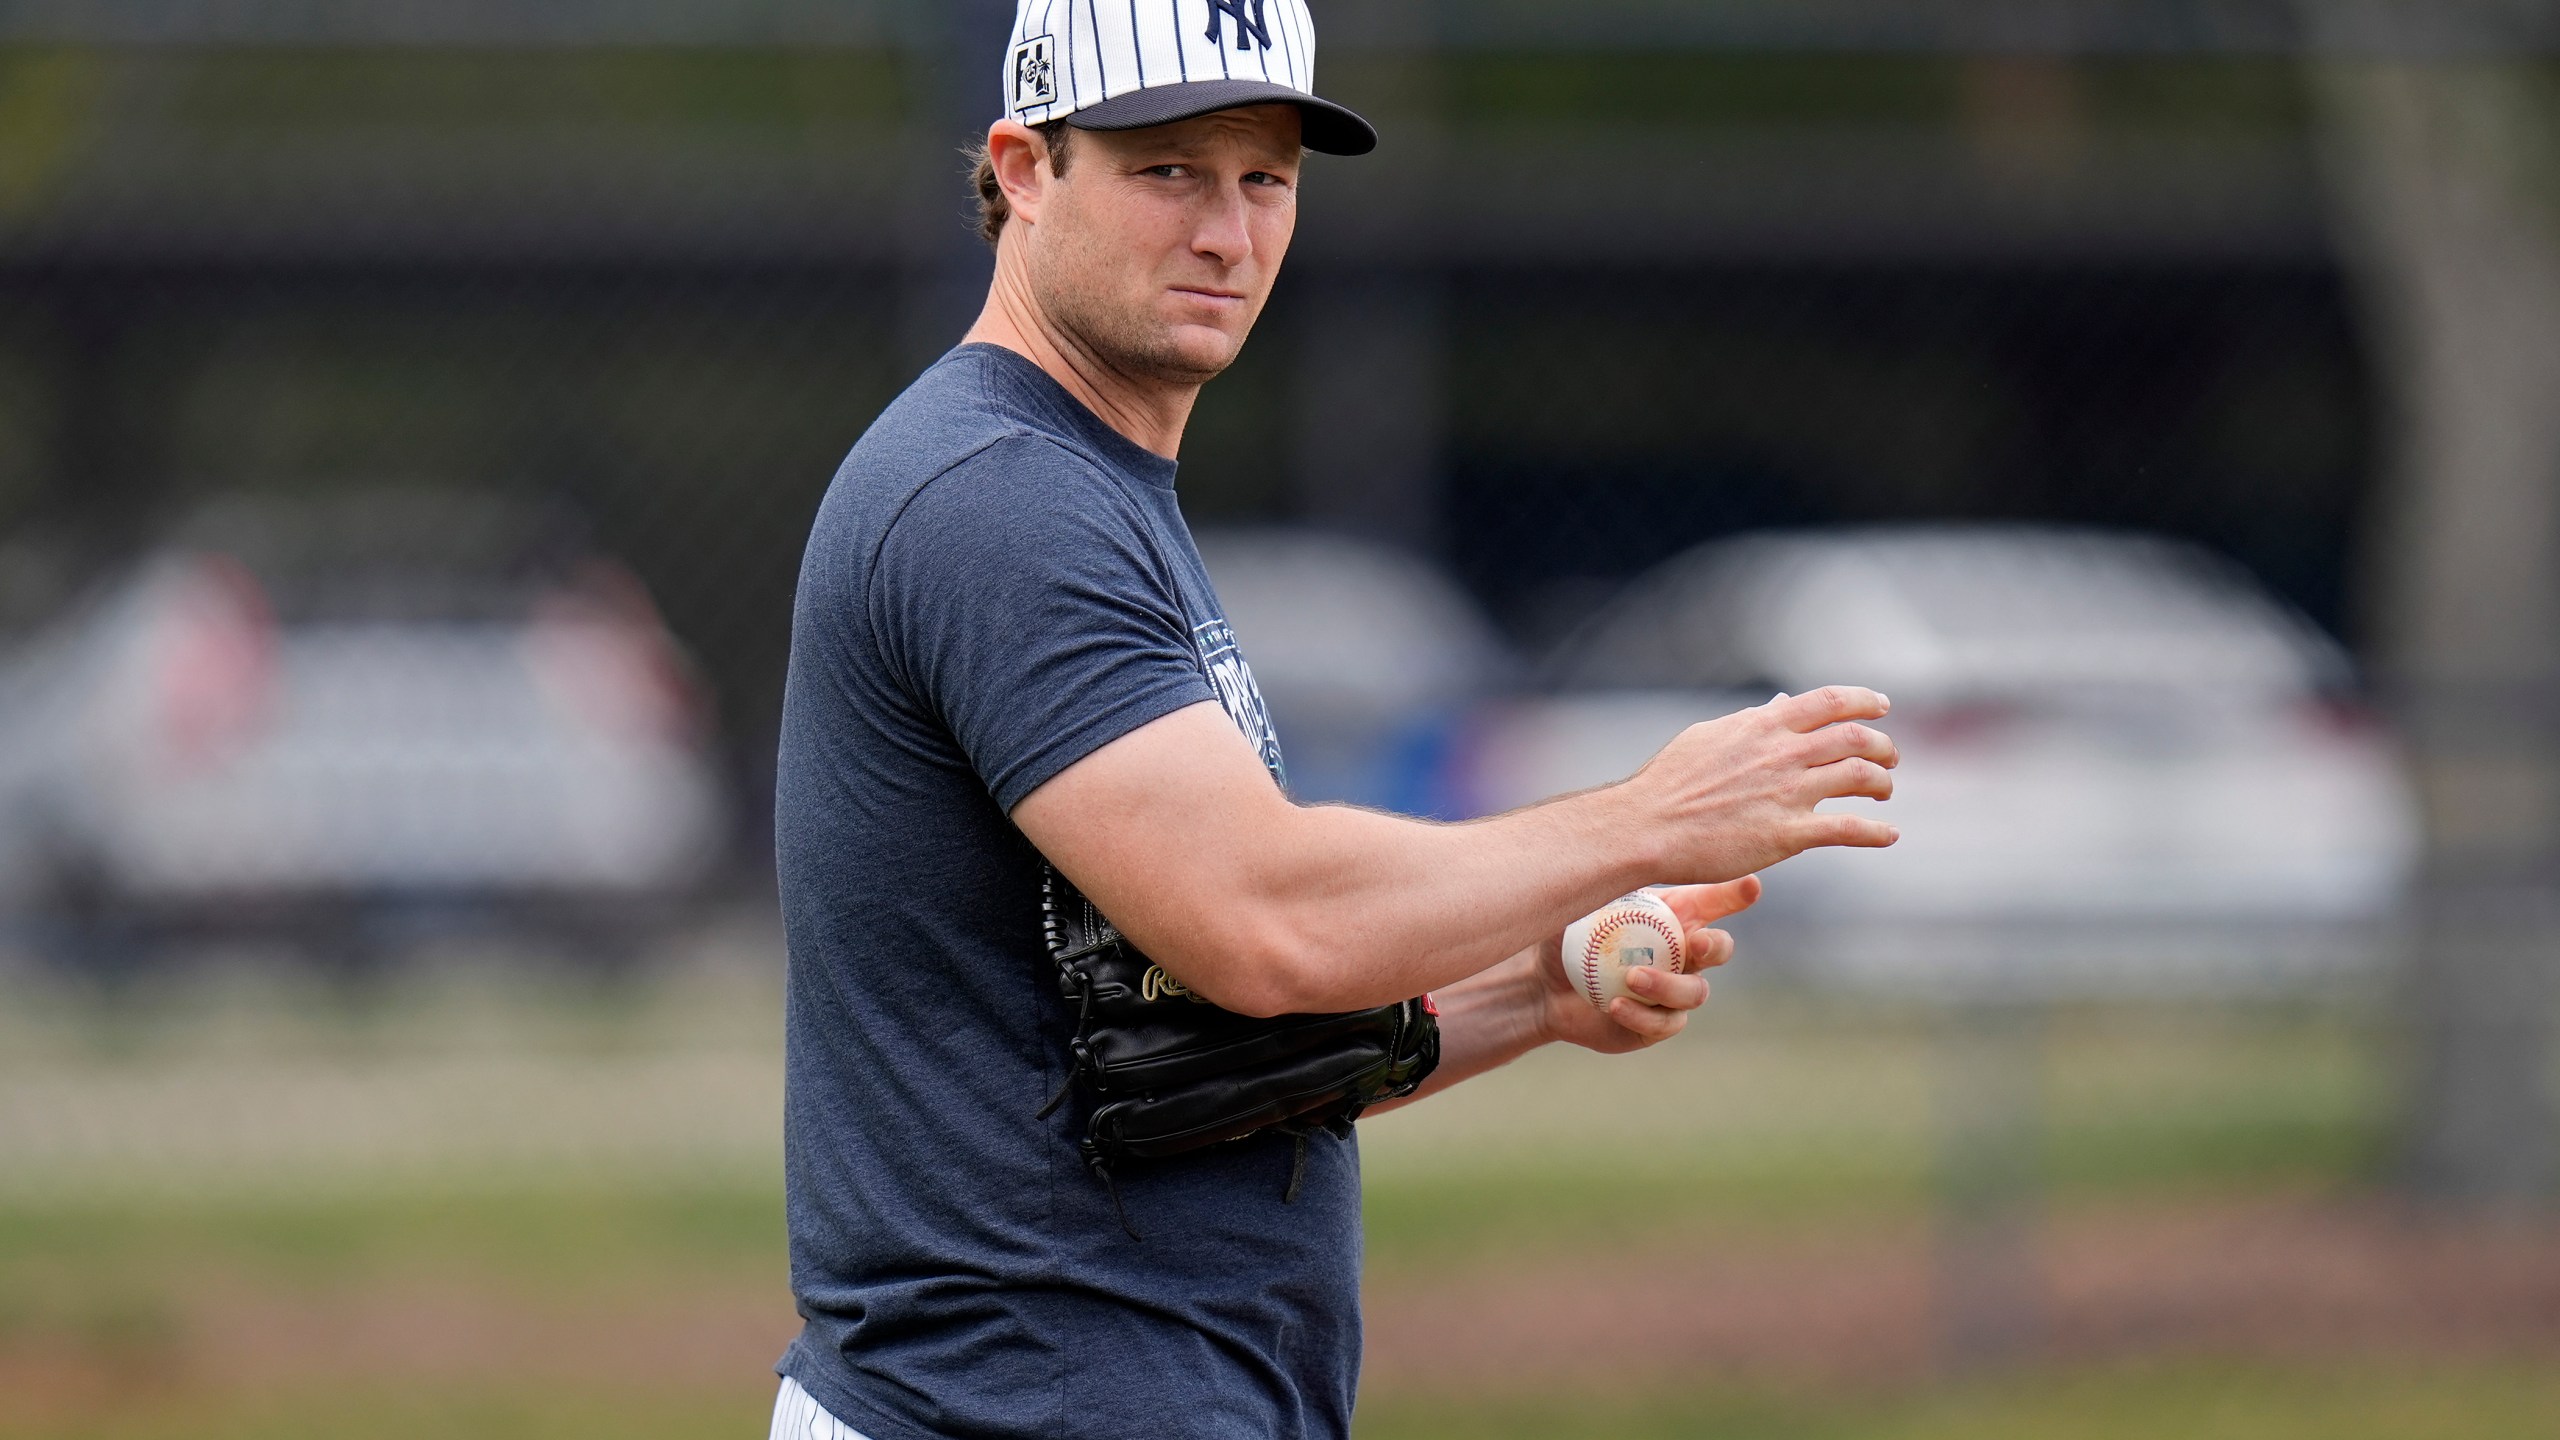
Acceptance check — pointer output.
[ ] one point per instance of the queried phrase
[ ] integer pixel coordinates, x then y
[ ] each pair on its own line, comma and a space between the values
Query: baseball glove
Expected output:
1169, 1072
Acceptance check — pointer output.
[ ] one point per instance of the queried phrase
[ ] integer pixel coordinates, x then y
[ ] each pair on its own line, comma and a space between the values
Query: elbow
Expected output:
1267, 972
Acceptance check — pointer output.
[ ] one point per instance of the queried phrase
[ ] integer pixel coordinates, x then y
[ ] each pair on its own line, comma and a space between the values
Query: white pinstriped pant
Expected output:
798, 1416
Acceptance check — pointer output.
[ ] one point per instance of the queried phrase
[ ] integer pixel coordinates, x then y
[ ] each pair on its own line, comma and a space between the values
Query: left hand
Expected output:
1668, 998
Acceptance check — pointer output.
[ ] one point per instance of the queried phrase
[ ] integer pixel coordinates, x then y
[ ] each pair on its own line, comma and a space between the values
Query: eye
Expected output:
1265, 177
1166, 172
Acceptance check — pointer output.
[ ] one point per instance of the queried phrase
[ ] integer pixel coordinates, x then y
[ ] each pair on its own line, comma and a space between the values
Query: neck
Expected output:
1151, 413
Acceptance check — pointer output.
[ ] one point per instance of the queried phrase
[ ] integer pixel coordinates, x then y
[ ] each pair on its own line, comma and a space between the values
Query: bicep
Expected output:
1016, 607
1161, 829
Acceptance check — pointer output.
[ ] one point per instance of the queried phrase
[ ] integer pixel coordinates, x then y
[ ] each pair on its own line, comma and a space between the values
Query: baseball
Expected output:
1631, 930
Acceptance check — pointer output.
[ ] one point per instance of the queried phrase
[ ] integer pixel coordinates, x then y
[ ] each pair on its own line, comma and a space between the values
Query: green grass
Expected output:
511, 1412
1470, 1215
2190, 1402
537, 1238
1793, 1120
1772, 1118
1766, 1119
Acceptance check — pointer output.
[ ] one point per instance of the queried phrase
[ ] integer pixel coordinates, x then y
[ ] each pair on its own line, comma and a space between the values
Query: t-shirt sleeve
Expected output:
1017, 598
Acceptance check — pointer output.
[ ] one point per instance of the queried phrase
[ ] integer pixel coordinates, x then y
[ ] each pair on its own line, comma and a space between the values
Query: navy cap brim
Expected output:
1330, 129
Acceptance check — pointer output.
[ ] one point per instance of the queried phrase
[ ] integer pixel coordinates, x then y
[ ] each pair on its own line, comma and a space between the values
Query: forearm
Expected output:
1177, 833
1486, 1021
1358, 908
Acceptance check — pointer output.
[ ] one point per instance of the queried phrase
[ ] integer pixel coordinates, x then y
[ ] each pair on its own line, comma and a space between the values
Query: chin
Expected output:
1193, 354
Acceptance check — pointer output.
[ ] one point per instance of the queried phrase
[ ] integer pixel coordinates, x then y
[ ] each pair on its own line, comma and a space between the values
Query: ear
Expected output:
1021, 160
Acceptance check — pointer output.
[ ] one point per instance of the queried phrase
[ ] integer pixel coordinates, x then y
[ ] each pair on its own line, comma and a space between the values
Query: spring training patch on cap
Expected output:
1128, 64
1035, 73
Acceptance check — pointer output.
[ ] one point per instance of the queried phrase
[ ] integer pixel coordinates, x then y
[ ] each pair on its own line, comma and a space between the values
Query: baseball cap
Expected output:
1128, 64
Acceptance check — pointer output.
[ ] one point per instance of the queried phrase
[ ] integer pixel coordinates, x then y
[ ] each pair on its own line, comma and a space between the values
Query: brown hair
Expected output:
993, 208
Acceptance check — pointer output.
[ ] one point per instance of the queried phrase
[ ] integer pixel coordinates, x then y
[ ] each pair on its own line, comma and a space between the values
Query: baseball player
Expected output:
1081, 1006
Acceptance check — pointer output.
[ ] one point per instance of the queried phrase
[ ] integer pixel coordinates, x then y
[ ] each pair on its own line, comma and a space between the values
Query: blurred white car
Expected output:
2126, 768
1370, 657
390, 700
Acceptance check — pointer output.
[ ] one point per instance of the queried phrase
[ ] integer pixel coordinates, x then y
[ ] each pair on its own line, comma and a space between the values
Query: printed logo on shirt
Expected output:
1233, 679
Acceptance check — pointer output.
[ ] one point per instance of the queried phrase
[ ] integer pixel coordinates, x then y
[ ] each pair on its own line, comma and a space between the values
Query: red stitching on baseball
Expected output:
1610, 925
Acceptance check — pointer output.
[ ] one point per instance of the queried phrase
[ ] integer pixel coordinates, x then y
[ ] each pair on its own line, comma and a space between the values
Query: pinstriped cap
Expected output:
1128, 64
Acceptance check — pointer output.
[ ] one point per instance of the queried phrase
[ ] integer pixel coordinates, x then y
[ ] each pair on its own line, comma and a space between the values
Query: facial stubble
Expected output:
1127, 339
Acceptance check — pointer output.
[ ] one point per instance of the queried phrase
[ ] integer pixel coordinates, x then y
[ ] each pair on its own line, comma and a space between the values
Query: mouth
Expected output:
1209, 296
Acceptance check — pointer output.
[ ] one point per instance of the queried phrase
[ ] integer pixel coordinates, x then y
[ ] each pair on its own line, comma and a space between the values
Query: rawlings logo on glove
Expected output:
1165, 1079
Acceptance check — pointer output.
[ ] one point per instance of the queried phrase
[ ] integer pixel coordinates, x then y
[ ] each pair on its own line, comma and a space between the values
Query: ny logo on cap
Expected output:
1035, 74
1248, 30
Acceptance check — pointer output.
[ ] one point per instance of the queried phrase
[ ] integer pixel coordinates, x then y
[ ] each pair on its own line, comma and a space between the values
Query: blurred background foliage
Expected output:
2275, 282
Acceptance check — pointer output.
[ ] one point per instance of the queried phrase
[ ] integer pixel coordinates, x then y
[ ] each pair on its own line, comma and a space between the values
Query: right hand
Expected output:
1735, 796
1662, 998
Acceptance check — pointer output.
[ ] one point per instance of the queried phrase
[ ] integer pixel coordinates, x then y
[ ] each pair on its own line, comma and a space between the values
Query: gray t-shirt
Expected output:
997, 585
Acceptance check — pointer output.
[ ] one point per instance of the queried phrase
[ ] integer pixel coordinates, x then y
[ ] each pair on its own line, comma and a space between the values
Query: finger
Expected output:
1667, 989
1857, 832
1850, 739
1829, 705
1702, 904
1854, 776
1651, 1025
1706, 949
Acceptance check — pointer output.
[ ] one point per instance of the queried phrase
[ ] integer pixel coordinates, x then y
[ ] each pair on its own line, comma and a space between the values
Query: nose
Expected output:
1220, 232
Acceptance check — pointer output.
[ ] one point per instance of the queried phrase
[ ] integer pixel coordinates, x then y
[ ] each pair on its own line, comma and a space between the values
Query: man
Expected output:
1005, 657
